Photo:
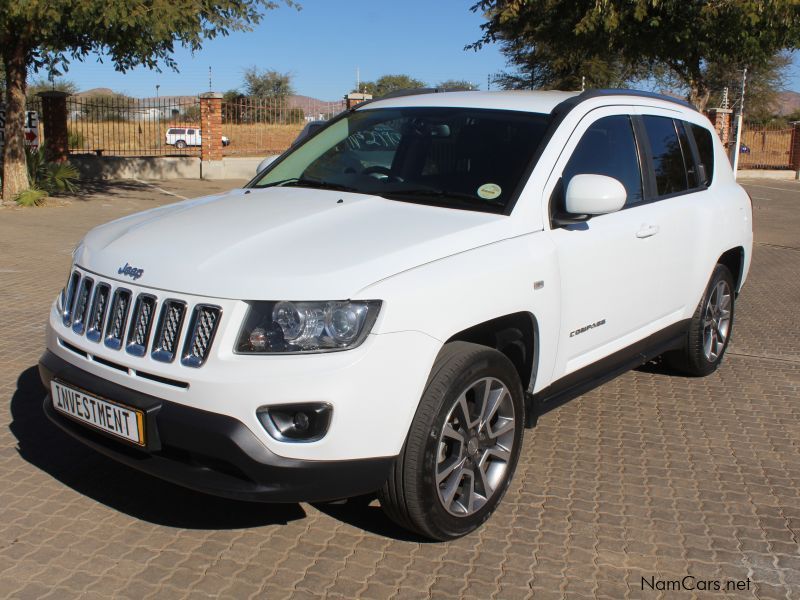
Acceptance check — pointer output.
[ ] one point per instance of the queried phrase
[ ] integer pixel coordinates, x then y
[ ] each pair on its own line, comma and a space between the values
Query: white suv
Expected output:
182, 137
393, 301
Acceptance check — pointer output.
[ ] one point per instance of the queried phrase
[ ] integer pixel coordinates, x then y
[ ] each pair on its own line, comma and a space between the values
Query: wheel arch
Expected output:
516, 335
734, 260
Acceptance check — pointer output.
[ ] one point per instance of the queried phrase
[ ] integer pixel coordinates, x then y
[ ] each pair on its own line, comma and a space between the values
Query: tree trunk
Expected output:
699, 93
15, 170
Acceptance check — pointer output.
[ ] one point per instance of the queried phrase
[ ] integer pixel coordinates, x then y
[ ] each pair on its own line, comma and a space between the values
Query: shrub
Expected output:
46, 178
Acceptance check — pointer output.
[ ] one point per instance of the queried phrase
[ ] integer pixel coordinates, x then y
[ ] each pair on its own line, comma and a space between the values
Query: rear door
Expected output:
676, 211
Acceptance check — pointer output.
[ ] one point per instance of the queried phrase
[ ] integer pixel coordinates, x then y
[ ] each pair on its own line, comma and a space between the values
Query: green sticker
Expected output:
489, 191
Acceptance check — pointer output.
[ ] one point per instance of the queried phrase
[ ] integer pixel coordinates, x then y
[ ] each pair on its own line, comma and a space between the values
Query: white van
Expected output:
181, 137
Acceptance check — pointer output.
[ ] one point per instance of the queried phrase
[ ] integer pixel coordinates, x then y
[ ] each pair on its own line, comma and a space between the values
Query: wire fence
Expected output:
765, 146
123, 126
264, 126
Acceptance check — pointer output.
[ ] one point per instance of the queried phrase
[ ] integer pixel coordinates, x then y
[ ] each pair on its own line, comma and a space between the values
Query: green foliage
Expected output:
191, 114
50, 177
390, 83
267, 84
457, 84
75, 139
33, 196
554, 43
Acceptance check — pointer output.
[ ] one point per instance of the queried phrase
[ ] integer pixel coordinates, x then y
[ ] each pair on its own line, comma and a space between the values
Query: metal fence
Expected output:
122, 126
262, 126
766, 146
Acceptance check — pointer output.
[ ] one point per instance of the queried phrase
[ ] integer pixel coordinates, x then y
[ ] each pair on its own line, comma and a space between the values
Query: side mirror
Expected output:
593, 195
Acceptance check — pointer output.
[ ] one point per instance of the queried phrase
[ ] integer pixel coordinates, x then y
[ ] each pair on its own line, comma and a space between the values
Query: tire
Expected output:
463, 376
180, 144
710, 328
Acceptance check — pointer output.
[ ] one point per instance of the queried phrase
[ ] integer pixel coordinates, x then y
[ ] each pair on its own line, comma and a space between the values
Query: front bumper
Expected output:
210, 452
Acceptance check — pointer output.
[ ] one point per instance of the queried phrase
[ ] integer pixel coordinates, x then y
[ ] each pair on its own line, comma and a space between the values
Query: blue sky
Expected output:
323, 44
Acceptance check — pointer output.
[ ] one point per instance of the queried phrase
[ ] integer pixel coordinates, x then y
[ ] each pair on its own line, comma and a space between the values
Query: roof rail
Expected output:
410, 92
589, 94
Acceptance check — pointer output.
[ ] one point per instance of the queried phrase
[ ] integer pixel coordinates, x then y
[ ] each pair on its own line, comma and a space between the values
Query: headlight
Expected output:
293, 327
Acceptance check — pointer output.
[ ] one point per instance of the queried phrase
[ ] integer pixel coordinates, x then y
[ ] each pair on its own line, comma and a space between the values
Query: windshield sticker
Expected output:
489, 191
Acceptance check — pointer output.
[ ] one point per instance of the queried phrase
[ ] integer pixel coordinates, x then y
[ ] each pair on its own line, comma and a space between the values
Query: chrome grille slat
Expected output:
169, 328
141, 324
117, 317
97, 314
205, 319
81, 305
69, 298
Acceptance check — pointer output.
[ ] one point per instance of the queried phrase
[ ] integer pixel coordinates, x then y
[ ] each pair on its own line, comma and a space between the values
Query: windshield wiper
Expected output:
310, 183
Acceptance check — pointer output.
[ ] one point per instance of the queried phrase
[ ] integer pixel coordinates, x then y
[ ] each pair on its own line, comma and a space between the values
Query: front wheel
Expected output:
180, 144
710, 329
463, 445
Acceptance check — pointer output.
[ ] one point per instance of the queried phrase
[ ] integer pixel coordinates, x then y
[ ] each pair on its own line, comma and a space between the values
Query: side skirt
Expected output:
583, 380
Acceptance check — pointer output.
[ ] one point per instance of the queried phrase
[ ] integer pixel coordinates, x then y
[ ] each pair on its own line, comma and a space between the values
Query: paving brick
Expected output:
649, 474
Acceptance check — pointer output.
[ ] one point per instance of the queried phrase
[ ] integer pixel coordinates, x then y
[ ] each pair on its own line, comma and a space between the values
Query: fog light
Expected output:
296, 422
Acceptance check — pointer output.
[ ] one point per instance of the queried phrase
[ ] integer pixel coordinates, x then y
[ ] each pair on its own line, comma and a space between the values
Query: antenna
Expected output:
488, 82
358, 79
209, 78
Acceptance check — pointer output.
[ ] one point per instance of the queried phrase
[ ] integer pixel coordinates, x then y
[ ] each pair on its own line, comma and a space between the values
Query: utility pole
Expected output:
489, 82
737, 144
209, 78
358, 79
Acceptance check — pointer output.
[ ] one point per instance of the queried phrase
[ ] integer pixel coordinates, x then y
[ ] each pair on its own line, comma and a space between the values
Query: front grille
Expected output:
169, 328
117, 317
201, 334
81, 305
140, 321
97, 315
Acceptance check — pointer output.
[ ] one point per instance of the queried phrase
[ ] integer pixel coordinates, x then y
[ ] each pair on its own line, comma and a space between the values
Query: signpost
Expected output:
31, 128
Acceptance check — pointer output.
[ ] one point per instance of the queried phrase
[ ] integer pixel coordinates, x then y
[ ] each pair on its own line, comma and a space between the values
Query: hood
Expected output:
281, 243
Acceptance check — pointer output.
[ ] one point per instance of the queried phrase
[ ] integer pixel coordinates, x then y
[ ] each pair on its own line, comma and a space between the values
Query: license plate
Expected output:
116, 419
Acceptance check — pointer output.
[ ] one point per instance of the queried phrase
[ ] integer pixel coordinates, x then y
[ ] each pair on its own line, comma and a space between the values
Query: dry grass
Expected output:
768, 148
146, 138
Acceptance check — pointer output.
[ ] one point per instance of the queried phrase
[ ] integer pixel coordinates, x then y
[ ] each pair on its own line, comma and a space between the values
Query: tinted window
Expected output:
665, 149
466, 158
190, 132
705, 148
177, 131
608, 148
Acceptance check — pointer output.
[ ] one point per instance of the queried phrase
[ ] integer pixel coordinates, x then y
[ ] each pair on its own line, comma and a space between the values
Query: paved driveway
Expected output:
640, 483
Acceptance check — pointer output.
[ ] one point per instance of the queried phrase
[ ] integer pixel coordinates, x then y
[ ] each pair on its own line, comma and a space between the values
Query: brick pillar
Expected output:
721, 119
54, 122
355, 98
794, 151
211, 126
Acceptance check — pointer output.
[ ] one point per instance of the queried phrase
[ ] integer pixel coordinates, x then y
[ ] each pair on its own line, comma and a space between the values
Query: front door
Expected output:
610, 293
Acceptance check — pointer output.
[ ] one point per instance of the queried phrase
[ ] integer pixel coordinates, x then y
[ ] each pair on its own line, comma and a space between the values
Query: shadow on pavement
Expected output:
139, 495
361, 512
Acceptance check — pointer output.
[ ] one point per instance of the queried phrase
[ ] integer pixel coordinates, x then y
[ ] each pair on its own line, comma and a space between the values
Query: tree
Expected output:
764, 82
267, 84
457, 84
629, 36
48, 33
45, 85
390, 83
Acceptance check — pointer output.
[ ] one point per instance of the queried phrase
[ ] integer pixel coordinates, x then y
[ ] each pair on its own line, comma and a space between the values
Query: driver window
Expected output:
608, 148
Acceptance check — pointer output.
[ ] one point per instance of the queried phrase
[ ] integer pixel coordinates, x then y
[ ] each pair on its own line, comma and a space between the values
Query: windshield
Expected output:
464, 158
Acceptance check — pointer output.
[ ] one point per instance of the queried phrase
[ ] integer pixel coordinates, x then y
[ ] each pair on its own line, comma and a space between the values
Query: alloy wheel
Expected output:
474, 448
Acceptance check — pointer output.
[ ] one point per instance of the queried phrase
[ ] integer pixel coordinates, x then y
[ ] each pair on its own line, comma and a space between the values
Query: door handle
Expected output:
647, 231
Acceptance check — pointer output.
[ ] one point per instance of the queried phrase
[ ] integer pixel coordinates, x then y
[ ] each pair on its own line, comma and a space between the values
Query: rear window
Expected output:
668, 160
705, 150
